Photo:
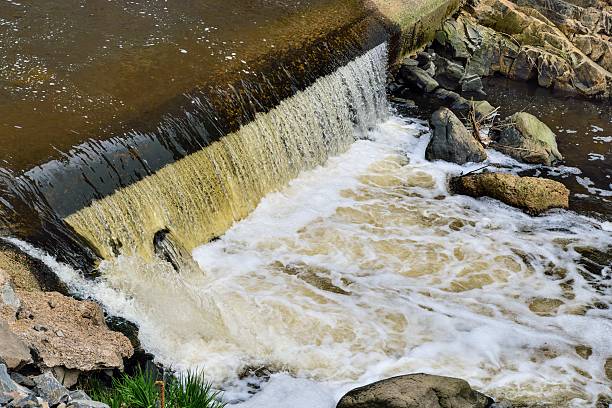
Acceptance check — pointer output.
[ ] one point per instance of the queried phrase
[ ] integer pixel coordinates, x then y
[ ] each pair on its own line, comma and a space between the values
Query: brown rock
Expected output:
68, 333
415, 391
13, 352
534, 195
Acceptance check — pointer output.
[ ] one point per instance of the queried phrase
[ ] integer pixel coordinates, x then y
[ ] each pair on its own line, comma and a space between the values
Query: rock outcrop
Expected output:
527, 139
565, 47
451, 141
416, 391
531, 194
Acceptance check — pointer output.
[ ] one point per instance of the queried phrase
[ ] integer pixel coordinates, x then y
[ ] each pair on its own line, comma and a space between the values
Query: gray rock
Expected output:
50, 389
482, 109
527, 139
409, 103
79, 395
448, 73
14, 352
28, 401
415, 391
7, 385
87, 404
22, 380
418, 79
451, 141
472, 83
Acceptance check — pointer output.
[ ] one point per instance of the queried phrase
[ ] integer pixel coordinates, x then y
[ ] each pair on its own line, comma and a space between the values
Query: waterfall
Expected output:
198, 197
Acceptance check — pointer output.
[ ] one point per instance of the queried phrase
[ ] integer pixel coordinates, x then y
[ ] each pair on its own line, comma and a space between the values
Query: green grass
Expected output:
188, 390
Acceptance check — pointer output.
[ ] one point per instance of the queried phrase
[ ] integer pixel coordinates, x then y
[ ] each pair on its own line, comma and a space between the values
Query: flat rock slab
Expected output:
531, 194
416, 391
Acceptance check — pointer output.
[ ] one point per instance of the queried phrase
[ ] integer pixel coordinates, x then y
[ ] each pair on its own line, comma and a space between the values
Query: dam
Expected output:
231, 178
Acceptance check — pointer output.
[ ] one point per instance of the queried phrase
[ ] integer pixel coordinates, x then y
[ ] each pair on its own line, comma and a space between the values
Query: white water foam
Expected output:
366, 268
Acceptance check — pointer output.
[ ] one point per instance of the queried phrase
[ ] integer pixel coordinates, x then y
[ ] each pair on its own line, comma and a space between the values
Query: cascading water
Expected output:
363, 267
197, 198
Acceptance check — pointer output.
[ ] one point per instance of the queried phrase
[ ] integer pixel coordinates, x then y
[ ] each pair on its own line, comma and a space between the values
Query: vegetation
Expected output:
142, 390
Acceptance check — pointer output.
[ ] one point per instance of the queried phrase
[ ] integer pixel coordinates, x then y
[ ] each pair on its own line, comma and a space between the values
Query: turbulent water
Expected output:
365, 267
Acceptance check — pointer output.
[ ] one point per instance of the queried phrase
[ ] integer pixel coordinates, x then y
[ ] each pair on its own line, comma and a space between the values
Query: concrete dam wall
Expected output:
126, 125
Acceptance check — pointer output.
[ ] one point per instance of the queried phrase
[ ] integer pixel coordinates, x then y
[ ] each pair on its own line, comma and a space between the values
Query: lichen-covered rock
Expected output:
531, 194
87, 404
415, 391
451, 141
527, 139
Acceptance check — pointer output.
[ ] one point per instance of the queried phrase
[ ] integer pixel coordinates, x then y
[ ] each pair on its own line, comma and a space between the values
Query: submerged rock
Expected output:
534, 195
527, 139
451, 141
416, 391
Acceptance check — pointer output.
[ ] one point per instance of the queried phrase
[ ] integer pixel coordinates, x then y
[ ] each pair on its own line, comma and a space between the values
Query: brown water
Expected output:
73, 70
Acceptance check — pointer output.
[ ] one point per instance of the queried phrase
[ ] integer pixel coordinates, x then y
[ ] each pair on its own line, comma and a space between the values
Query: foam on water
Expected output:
366, 268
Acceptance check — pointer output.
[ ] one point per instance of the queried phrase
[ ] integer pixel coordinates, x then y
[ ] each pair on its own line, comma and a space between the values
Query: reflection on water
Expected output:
366, 268
584, 136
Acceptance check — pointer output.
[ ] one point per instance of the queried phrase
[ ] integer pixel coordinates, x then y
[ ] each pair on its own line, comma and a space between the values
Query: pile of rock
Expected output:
560, 45
41, 391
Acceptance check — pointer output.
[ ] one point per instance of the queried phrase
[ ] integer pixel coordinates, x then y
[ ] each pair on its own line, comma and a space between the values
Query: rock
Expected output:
8, 386
68, 377
525, 138
418, 79
482, 109
584, 351
415, 391
448, 73
48, 388
451, 141
29, 401
14, 352
86, 343
22, 380
608, 368
473, 84
409, 103
87, 404
534, 195
79, 395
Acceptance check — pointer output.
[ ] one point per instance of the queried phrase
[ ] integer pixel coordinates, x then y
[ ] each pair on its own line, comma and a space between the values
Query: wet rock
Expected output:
608, 368
418, 79
85, 343
545, 306
415, 391
527, 139
451, 141
448, 73
472, 84
408, 103
87, 404
531, 194
50, 389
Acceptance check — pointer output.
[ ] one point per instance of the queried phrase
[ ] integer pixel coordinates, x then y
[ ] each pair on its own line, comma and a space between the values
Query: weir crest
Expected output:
197, 198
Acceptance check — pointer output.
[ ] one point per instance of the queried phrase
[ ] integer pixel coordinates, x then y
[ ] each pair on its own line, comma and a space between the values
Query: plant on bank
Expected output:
189, 390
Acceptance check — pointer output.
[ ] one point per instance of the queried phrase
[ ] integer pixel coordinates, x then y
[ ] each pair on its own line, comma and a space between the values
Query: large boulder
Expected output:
67, 333
415, 391
532, 194
9, 389
527, 139
451, 141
